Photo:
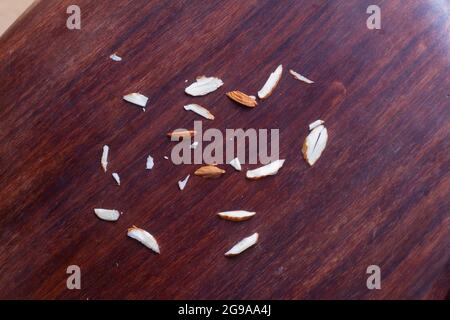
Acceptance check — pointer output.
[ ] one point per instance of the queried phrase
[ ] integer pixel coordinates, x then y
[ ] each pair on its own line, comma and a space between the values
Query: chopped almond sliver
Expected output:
177, 134
271, 83
237, 215
143, 237
150, 163
203, 86
199, 110
267, 170
298, 76
209, 172
137, 99
116, 177
314, 144
243, 245
182, 183
107, 214
242, 98
104, 160
236, 164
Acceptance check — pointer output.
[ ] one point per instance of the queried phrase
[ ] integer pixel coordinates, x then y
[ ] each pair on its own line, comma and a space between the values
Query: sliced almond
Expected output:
209, 172
314, 144
203, 86
116, 177
137, 99
236, 164
177, 134
107, 214
315, 124
243, 245
237, 215
115, 57
143, 237
271, 83
267, 170
104, 160
182, 183
242, 98
150, 163
198, 109
298, 76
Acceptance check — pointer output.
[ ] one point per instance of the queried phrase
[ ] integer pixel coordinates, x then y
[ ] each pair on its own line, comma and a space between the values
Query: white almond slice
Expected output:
166, 157
150, 163
236, 164
194, 145
199, 110
267, 170
271, 83
243, 245
104, 160
238, 215
137, 99
116, 177
298, 76
203, 86
107, 214
143, 237
115, 57
315, 124
182, 183
314, 144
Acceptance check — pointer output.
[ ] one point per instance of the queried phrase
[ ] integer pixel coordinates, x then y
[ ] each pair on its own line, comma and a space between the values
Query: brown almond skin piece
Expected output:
182, 134
210, 172
242, 99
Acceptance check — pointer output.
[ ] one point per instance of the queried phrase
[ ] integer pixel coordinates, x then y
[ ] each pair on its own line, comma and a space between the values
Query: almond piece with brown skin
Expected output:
242, 98
177, 134
209, 172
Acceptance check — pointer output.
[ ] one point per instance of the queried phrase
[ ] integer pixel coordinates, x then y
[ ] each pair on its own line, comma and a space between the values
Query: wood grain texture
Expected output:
378, 195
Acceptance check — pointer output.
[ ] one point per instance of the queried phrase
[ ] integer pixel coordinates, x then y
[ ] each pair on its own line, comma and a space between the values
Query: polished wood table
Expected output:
379, 195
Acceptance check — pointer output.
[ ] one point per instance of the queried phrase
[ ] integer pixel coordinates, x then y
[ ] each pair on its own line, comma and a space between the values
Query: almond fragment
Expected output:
198, 109
237, 215
203, 86
194, 145
107, 214
143, 237
177, 134
236, 164
298, 76
150, 163
116, 177
104, 160
137, 99
182, 183
209, 172
242, 98
115, 57
315, 124
314, 144
242, 245
271, 83
267, 170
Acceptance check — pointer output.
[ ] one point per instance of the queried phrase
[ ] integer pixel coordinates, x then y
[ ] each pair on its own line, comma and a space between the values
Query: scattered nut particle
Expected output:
137, 99
242, 245
237, 215
271, 83
177, 134
314, 144
203, 86
198, 109
236, 164
150, 163
182, 183
107, 214
298, 76
104, 160
194, 145
143, 237
115, 57
242, 99
267, 170
209, 171
116, 177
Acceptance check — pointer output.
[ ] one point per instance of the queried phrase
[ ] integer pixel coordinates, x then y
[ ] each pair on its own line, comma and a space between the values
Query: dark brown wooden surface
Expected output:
379, 194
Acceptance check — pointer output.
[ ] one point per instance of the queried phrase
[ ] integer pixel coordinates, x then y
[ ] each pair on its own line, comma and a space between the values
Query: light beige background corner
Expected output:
10, 10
